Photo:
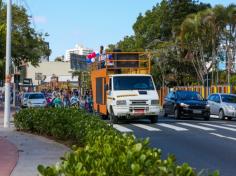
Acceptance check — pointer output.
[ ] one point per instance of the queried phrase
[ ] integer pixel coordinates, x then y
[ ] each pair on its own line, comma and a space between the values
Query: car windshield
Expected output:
133, 83
228, 98
36, 96
182, 95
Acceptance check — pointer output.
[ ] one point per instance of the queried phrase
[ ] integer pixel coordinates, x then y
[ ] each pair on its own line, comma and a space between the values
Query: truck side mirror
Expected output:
106, 87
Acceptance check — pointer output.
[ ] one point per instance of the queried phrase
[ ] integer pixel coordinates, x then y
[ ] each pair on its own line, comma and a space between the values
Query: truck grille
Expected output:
139, 102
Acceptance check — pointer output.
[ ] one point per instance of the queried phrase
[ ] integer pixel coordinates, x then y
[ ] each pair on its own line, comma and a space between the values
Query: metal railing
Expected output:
142, 65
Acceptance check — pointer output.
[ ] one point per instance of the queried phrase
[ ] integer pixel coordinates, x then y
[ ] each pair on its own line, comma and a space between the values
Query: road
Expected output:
209, 145
203, 144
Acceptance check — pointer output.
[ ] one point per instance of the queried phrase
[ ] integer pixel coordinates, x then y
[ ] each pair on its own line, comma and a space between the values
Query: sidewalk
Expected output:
21, 153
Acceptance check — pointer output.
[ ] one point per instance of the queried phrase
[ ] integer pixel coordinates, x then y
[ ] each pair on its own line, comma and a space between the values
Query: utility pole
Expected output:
8, 63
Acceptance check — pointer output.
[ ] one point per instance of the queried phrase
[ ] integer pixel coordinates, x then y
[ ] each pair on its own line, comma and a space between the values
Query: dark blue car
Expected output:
186, 103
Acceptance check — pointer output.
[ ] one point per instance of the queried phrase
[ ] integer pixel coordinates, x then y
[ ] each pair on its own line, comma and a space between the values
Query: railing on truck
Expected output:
124, 63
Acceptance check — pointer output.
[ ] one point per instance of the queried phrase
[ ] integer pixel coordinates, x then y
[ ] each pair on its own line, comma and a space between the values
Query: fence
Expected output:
201, 89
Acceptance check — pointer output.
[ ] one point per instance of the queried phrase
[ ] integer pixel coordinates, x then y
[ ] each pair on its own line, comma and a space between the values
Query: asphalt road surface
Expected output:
209, 145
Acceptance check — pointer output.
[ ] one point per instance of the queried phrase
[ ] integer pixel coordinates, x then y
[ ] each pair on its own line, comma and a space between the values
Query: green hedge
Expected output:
102, 150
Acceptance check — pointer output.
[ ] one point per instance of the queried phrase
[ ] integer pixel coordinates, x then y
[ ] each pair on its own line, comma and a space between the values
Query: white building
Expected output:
79, 49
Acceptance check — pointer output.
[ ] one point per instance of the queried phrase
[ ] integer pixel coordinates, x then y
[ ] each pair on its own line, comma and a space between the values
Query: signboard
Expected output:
38, 76
27, 81
78, 62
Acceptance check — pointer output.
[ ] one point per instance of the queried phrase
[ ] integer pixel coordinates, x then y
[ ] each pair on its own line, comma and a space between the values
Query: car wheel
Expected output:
177, 114
222, 115
165, 114
207, 117
229, 118
153, 119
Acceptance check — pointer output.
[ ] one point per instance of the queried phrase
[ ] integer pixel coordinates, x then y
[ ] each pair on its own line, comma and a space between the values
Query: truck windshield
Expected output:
133, 83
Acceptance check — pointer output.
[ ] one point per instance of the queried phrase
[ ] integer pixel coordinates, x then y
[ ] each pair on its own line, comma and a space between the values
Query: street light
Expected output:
8, 63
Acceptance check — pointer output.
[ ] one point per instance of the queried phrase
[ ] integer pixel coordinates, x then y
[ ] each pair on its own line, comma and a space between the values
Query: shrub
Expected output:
102, 150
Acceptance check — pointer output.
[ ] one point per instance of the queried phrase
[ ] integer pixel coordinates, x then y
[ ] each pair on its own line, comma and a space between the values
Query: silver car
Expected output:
24, 99
36, 100
223, 105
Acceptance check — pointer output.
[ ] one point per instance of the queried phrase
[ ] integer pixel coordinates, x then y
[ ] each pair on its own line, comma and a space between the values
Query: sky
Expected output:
88, 22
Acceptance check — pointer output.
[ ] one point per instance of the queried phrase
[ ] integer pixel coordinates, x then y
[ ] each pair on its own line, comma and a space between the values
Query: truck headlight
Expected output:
121, 102
184, 105
154, 102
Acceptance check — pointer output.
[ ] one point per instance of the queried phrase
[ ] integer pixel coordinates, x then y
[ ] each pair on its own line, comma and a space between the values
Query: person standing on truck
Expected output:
102, 57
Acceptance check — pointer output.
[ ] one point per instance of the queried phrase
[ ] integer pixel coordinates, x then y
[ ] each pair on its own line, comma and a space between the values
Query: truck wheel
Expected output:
113, 118
104, 117
153, 119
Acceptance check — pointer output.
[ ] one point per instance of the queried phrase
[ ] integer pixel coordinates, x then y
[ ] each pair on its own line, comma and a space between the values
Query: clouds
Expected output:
40, 19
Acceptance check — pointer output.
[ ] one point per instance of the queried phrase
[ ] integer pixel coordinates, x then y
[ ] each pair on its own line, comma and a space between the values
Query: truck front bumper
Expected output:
135, 111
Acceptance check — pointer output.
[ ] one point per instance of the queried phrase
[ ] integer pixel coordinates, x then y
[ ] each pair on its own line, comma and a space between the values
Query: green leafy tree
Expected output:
157, 30
59, 59
203, 33
27, 44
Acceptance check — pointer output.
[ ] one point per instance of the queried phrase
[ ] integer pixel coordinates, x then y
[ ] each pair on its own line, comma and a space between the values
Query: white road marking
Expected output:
122, 129
217, 126
197, 126
230, 125
176, 128
222, 136
146, 127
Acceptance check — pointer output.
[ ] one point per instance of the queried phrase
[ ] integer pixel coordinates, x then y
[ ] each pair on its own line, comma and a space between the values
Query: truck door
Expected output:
100, 93
109, 94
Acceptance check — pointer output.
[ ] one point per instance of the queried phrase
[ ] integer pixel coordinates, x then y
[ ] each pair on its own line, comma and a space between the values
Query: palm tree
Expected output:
201, 35
83, 80
191, 35
79, 74
230, 41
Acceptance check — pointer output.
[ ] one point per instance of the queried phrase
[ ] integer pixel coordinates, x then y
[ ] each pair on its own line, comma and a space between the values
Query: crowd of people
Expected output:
60, 98
69, 98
